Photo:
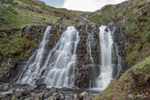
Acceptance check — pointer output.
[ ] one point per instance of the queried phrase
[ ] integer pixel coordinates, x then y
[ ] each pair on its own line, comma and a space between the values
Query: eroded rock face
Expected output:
83, 59
118, 51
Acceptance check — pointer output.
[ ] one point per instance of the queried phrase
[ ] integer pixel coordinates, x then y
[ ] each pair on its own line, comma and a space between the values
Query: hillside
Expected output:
19, 13
23, 23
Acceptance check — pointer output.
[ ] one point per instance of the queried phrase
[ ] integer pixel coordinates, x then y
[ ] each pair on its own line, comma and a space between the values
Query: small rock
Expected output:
75, 96
41, 85
46, 94
18, 94
51, 98
84, 94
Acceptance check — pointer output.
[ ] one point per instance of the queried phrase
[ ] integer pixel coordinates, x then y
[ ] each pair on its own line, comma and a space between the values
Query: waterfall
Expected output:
90, 39
57, 67
31, 72
92, 66
58, 70
61, 62
106, 70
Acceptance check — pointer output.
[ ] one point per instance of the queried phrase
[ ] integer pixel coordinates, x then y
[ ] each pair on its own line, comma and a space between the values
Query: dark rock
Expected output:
17, 94
83, 59
41, 85
27, 92
46, 94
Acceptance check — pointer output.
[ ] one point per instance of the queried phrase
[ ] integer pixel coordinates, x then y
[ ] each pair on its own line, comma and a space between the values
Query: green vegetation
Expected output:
19, 13
9, 2
134, 15
16, 18
133, 85
17, 46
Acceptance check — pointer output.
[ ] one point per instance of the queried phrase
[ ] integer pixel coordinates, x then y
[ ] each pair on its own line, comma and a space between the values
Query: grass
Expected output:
130, 84
16, 18
14, 45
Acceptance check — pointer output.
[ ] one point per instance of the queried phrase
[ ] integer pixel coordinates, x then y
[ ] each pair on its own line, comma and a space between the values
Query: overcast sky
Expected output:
82, 5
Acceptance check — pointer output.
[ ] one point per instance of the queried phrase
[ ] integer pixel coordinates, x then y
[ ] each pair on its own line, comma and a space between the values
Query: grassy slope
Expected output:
133, 85
13, 17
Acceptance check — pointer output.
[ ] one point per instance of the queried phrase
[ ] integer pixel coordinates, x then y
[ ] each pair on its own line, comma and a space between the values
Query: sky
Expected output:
81, 5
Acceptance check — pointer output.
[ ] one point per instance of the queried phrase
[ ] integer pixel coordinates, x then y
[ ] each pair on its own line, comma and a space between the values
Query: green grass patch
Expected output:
16, 18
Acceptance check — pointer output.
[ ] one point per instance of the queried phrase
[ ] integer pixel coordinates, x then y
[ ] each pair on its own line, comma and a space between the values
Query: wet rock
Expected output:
46, 94
17, 94
83, 75
51, 98
25, 93
75, 96
41, 86
84, 94
5, 87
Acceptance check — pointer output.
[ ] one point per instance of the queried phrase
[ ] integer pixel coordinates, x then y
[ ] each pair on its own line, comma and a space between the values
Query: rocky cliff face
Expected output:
83, 75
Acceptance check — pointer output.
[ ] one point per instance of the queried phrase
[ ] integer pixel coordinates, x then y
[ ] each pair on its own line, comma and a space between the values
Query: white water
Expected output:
89, 41
106, 69
58, 70
31, 72
60, 65
119, 62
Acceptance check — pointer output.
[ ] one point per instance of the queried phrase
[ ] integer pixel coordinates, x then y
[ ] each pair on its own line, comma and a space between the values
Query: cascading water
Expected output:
89, 41
106, 69
59, 67
31, 72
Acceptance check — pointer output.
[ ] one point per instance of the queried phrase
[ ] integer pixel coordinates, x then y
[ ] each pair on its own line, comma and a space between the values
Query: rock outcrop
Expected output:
26, 92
